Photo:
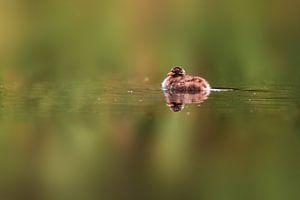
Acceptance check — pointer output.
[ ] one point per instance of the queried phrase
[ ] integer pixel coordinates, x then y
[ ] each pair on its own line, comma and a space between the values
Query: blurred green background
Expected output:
82, 115
61, 40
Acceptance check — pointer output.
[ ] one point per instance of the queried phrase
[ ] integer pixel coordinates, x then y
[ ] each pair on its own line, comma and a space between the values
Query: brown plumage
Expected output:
177, 80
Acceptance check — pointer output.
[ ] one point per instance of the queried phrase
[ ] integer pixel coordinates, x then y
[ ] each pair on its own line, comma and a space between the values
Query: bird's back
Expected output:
186, 83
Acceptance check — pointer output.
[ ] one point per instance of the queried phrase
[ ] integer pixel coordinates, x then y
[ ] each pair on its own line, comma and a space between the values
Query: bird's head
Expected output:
177, 71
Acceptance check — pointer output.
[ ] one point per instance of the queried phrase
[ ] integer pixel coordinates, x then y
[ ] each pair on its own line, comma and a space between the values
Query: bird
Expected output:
178, 81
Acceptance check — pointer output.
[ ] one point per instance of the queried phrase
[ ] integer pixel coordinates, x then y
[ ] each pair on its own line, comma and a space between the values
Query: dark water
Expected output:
92, 140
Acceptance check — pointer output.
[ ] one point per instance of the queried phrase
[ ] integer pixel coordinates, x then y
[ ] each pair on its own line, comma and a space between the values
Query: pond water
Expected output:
90, 140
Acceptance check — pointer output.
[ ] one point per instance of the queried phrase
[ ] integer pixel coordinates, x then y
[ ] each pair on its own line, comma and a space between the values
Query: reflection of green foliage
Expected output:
90, 140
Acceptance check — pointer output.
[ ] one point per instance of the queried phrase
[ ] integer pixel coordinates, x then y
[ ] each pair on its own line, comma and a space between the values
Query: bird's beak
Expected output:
170, 74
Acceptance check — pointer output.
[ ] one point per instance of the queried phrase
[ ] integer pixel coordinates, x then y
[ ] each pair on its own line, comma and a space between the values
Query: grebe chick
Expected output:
178, 81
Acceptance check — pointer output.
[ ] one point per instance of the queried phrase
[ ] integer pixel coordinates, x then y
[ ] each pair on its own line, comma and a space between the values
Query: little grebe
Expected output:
178, 81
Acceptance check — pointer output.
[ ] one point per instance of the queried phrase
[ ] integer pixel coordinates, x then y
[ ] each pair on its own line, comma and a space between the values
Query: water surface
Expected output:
79, 140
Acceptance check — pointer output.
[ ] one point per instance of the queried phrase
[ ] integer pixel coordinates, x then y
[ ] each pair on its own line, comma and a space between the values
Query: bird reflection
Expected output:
177, 100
